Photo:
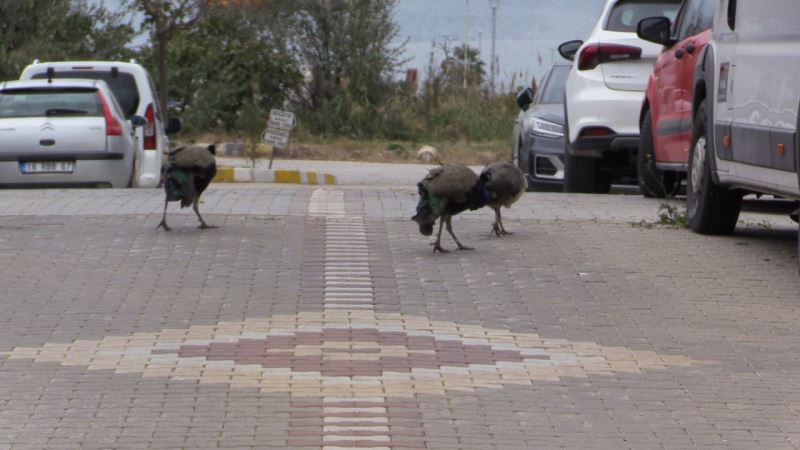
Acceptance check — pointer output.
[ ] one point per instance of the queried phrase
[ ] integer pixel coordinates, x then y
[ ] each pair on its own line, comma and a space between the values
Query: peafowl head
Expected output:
425, 217
426, 220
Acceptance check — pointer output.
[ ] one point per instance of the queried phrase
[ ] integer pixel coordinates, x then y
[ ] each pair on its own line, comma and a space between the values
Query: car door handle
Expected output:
690, 49
679, 54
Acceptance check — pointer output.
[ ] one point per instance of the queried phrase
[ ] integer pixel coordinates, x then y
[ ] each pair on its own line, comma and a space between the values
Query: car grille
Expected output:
545, 167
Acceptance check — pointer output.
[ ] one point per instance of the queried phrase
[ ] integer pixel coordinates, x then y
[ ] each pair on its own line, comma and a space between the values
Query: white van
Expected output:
136, 93
745, 105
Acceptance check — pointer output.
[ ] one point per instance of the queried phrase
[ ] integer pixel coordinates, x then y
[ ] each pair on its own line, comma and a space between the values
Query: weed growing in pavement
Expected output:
669, 215
673, 215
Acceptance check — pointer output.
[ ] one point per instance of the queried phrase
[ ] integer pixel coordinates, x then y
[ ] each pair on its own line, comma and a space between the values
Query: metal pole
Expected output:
466, 36
494, 4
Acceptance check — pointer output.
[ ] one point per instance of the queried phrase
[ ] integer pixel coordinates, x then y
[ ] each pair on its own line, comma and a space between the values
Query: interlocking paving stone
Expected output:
83, 266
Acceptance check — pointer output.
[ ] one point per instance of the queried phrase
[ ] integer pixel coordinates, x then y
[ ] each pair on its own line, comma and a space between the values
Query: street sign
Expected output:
273, 124
281, 119
276, 138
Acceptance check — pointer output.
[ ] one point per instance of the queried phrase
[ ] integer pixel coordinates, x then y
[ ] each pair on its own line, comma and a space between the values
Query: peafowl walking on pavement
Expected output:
187, 173
445, 192
452, 189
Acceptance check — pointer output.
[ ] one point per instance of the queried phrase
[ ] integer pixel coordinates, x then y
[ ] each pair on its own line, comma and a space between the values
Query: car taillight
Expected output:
596, 132
150, 128
113, 126
596, 54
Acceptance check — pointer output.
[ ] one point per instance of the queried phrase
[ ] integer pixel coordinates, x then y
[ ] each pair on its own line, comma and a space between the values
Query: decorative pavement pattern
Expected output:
354, 370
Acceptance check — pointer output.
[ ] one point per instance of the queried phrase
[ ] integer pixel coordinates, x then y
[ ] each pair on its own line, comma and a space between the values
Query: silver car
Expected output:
64, 132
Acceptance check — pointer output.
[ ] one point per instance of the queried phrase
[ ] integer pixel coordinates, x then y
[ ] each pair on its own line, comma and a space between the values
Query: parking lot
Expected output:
320, 318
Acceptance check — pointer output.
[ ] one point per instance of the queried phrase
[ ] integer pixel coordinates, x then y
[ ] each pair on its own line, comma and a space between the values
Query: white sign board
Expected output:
276, 138
283, 120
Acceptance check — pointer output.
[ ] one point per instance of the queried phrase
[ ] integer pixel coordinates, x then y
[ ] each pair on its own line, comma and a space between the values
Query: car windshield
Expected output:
49, 103
123, 85
553, 90
626, 14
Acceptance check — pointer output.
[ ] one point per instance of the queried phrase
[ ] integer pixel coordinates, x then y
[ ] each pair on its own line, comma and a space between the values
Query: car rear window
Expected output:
123, 86
553, 90
49, 103
626, 14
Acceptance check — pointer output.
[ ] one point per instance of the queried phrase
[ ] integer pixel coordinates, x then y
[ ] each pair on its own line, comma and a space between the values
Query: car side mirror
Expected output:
138, 121
655, 29
525, 98
174, 125
568, 49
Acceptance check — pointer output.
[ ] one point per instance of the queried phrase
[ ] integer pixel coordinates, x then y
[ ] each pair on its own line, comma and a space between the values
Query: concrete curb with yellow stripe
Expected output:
246, 175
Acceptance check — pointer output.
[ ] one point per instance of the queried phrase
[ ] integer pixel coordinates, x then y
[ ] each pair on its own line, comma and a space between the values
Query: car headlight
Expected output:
539, 127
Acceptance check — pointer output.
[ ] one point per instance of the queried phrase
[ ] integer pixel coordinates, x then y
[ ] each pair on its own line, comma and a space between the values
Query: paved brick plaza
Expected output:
320, 319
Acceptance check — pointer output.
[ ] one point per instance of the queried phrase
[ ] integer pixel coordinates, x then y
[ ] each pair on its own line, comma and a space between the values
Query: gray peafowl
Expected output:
452, 189
187, 173
445, 192
505, 184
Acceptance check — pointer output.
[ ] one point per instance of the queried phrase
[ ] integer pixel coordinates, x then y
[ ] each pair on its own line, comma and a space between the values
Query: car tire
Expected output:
653, 182
712, 209
581, 175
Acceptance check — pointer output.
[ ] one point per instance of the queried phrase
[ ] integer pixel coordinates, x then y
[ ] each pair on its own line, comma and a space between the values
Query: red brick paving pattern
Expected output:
425, 352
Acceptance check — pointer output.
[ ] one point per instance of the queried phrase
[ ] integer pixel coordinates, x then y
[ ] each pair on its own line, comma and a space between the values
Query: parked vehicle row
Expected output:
700, 89
82, 123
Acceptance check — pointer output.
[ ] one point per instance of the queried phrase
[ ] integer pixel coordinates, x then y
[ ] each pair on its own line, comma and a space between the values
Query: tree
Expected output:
59, 30
235, 58
347, 49
163, 18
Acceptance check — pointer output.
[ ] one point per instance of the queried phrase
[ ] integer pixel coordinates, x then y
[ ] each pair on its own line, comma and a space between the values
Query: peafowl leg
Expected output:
496, 227
450, 230
502, 228
163, 223
196, 206
437, 246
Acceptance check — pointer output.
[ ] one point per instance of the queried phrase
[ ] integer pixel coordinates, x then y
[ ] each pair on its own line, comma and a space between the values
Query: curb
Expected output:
246, 175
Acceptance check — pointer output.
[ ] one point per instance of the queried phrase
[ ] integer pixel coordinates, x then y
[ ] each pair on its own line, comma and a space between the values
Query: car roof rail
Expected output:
36, 61
133, 61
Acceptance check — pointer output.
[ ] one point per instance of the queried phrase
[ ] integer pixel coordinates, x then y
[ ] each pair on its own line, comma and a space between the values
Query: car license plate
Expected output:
47, 167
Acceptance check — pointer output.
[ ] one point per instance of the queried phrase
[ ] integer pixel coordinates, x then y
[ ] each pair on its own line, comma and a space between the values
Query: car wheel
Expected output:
712, 209
653, 183
581, 175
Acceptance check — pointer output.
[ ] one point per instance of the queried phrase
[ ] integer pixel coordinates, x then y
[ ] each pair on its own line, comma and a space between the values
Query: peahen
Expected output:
187, 173
445, 192
452, 189
505, 184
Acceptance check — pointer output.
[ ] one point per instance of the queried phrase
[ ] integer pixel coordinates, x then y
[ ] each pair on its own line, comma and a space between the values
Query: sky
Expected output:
528, 31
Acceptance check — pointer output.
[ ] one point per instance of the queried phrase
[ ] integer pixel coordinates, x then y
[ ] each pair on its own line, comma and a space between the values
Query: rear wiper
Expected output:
65, 112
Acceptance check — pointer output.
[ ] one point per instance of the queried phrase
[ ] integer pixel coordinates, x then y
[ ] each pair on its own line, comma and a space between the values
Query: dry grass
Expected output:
342, 149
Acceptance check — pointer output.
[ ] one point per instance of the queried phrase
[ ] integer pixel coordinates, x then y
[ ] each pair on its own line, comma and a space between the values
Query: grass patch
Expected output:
377, 150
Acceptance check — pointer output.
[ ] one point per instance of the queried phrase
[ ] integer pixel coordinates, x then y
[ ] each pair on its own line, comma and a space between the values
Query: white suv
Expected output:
136, 93
604, 94
745, 104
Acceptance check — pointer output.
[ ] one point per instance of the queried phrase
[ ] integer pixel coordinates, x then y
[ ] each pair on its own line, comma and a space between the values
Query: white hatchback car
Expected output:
136, 93
604, 94
64, 133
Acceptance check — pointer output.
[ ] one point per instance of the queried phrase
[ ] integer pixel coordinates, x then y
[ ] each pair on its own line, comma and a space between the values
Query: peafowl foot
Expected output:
464, 247
496, 231
438, 248
205, 226
163, 224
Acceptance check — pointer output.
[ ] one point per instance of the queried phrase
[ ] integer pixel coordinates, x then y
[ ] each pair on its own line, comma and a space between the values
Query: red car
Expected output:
665, 123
